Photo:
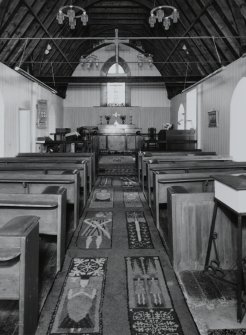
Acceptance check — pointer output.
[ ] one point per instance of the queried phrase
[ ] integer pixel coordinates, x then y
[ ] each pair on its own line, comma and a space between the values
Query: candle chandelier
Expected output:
145, 59
89, 61
72, 13
165, 14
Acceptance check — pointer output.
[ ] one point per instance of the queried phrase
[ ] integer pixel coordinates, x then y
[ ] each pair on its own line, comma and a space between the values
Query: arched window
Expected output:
116, 92
116, 69
181, 118
238, 122
1, 126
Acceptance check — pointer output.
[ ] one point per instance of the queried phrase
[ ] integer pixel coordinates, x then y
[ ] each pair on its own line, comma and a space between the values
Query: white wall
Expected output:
142, 117
90, 95
215, 94
21, 93
150, 104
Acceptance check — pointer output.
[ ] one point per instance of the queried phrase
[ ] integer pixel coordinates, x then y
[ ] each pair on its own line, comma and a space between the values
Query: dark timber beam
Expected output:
242, 6
47, 32
120, 79
203, 11
240, 24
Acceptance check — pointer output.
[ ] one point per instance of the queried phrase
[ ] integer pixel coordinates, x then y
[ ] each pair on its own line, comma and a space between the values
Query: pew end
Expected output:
19, 255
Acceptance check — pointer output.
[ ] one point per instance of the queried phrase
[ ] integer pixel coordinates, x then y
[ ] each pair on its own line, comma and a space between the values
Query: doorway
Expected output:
2, 137
238, 122
25, 141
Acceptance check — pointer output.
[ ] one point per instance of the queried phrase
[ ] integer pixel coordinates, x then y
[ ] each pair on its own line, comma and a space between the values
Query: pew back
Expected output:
190, 215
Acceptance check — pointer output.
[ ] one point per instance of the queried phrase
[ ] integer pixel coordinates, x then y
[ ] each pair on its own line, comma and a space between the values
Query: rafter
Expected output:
47, 32
190, 27
115, 79
240, 24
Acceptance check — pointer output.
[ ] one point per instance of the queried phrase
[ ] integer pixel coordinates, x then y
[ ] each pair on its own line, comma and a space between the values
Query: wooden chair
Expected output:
19, 255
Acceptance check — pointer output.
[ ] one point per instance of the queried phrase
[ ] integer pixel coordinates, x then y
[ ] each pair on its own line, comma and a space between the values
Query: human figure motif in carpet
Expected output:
155, 291
96, 229
140, 292
79, 305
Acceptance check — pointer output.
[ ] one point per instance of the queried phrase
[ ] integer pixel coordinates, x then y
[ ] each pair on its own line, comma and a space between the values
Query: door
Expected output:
25, 130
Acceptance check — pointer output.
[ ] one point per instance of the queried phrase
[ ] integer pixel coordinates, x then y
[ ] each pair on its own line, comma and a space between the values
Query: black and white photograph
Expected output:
122, 167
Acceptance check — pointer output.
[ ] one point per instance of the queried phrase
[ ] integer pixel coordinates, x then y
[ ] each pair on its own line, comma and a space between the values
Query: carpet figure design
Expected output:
138, 231
132, 199
150, 307
105, 182
102, 198
79, 306
96, 231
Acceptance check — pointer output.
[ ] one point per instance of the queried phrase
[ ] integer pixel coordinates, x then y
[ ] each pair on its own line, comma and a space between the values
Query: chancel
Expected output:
122, 167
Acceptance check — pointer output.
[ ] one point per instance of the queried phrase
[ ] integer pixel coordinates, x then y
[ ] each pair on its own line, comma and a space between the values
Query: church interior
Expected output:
122, 167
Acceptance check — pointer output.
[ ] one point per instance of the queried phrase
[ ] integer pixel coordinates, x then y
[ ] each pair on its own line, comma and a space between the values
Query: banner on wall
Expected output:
42, 114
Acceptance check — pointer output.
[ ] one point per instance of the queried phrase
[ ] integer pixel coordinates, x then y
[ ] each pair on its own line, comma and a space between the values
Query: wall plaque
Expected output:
42, 114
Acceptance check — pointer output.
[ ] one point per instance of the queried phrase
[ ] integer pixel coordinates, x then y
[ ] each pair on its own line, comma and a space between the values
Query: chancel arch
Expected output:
238, 122
2, 120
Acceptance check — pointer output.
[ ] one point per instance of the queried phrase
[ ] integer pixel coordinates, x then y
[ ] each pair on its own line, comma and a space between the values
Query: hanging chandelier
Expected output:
165, 14
145, 59
89, 61
72, 13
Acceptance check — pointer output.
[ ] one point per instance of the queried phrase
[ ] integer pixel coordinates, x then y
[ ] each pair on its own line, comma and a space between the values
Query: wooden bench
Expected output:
74, 158
36, 184
19, 259
175, 159
150, 154
55, 164
50, 169
193, 182
186, 167
84, 156
189, 221
50, 207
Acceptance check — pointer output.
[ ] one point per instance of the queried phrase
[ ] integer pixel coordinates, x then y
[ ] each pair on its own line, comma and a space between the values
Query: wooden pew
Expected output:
50, 207
18, 183
151, 154
83, 155
189, 221
19, 259
186, 167
66, 163
90, 158
193, 182
50, 169
176, 159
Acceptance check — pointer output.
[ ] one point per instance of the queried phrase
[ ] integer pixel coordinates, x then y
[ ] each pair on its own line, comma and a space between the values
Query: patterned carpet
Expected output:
116, 279
117, 165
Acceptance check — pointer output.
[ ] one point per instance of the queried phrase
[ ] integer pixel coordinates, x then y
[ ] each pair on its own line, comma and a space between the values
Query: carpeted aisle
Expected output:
116, 279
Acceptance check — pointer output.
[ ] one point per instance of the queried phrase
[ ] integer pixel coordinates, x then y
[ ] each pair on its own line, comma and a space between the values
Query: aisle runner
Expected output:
78, 310
105, 182
96, 231
138, 231
102, 198
150, 307
132, 199
128, 182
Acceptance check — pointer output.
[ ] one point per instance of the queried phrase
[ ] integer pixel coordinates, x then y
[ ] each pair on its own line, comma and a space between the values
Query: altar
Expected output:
119, 137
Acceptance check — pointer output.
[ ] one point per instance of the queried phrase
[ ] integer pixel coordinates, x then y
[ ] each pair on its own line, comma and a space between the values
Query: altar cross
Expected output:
116, 41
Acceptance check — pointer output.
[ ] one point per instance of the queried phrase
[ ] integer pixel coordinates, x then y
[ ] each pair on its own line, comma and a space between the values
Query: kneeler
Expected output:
19, 254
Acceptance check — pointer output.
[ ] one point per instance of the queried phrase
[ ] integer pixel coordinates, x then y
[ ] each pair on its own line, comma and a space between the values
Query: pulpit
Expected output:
119, 138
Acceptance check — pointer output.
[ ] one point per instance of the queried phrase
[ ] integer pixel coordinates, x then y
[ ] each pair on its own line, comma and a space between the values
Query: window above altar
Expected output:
116, 92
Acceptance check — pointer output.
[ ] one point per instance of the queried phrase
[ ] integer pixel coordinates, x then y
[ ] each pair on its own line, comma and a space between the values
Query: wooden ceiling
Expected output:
200, 20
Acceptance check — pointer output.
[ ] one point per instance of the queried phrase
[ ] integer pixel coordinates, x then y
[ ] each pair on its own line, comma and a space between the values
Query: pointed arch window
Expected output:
116, 92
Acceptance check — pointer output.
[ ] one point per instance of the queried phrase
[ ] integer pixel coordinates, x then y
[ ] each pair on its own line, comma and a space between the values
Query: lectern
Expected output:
230, 192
